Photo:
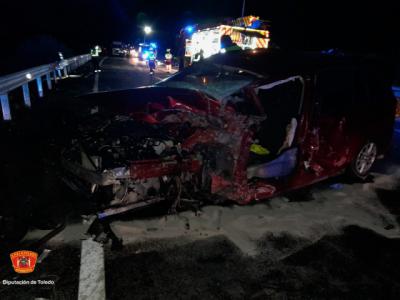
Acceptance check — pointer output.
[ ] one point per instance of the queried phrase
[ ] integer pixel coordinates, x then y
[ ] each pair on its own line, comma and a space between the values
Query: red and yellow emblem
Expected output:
23, 261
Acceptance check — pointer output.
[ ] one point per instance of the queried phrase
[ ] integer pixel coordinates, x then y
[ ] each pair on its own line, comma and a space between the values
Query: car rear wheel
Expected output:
364, 160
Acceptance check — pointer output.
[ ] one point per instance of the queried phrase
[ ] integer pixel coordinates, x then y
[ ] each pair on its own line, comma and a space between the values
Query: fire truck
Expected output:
246, 32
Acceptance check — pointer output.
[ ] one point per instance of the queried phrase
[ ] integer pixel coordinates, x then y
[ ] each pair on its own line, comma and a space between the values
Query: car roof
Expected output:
278, 63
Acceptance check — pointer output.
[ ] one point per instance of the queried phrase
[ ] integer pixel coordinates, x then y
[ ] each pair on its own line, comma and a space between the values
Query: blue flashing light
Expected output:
189, 29
256, 24
153, 45
145, 55
396, 91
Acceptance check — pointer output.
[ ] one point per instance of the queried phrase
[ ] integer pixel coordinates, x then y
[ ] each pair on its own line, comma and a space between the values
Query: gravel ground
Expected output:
357, 264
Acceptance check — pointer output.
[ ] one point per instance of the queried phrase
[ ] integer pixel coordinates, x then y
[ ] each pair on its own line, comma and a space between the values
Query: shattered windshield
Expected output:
218, 81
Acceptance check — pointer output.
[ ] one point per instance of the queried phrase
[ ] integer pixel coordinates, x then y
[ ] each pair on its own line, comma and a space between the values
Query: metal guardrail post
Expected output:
48, 80
39, 86
5, 107
27, 96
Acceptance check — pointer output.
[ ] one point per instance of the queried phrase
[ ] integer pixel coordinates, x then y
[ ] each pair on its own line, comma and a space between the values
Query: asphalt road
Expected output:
116, 73
122, 73
342, 241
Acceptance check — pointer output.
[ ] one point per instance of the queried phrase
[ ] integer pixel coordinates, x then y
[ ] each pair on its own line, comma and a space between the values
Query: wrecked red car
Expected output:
240, 126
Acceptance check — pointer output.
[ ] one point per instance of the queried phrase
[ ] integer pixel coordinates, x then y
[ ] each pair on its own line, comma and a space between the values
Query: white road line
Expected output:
101, 61
91, 276
96, 77
96, 82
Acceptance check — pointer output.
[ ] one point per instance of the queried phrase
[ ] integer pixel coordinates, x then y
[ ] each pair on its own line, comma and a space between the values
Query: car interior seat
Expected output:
281, 105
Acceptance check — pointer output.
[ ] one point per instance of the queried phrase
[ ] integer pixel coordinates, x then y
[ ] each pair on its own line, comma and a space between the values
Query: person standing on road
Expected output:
152, 61
95, 58
168, 60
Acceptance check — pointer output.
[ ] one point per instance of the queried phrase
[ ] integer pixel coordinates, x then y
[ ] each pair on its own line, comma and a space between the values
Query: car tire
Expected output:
363, 161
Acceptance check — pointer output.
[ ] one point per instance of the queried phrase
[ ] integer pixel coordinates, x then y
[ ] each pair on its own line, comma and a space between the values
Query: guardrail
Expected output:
20, 79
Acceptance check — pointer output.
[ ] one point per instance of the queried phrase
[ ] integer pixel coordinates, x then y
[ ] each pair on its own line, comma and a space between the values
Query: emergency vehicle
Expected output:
244, 32
145, 49
116, 48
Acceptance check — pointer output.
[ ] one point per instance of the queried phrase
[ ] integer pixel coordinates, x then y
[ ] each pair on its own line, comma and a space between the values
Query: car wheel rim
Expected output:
365, 159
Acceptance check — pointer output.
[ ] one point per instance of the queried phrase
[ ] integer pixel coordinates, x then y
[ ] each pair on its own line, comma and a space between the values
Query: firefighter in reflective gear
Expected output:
151, 58
168, 60
95, 58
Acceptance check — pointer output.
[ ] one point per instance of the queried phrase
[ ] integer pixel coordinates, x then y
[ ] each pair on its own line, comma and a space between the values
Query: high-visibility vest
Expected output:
96, 51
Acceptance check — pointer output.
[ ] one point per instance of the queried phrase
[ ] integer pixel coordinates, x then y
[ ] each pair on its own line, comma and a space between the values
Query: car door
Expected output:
275, 151
331, 117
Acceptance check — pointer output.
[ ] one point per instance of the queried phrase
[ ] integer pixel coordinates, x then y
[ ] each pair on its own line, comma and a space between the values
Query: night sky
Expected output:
34, 31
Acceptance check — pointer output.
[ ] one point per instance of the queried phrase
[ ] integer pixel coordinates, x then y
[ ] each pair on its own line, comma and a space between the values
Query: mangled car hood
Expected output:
158, 143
